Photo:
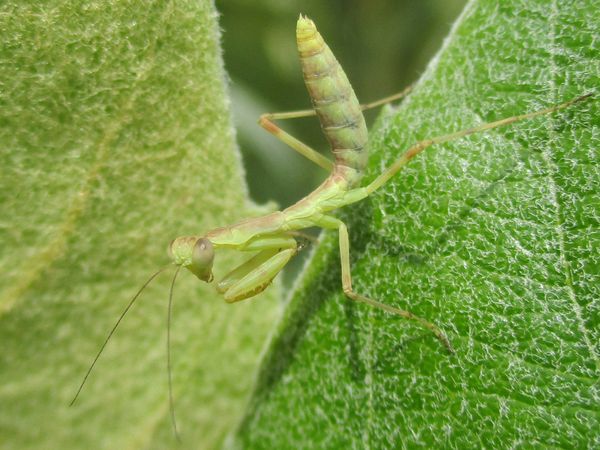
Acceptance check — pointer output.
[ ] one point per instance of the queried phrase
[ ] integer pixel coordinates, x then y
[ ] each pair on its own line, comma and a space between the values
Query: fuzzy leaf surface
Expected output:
116, 138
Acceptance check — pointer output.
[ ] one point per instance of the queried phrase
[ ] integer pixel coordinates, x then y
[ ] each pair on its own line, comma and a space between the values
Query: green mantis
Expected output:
273, 238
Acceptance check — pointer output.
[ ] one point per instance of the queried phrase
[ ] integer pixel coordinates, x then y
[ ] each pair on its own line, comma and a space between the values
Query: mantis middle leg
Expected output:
344, 242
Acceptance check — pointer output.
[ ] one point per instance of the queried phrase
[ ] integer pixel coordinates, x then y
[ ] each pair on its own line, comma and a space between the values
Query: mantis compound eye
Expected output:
203, 255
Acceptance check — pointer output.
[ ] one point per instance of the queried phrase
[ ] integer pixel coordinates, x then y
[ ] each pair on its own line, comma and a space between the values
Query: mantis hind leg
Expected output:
266, 121
420, 146
255, 275
331, 222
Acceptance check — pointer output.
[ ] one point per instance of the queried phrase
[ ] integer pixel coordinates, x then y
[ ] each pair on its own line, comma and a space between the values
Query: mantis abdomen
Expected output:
333, 99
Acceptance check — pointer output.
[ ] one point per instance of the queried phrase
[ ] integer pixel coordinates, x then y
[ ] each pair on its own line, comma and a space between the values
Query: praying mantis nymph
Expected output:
273, 238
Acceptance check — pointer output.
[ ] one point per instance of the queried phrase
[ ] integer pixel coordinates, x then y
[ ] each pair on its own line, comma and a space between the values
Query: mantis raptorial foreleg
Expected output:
266, 121
254, 276
273, 242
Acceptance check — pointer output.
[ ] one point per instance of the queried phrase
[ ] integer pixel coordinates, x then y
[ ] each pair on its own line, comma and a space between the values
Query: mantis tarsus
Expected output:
274, 237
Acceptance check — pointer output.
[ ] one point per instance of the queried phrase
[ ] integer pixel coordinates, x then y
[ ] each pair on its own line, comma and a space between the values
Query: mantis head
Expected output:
195, 254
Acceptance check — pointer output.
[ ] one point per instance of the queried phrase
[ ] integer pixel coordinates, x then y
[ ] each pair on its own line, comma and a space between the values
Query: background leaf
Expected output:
493, 237
115, 138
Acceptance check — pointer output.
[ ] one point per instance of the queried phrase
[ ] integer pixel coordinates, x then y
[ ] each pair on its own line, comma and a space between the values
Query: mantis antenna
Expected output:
114, 328
170, 309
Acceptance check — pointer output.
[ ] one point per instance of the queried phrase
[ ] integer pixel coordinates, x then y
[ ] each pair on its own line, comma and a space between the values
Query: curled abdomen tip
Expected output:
305, 27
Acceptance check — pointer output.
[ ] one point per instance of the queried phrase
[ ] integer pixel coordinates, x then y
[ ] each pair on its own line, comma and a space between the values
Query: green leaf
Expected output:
116, 138
494, 237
